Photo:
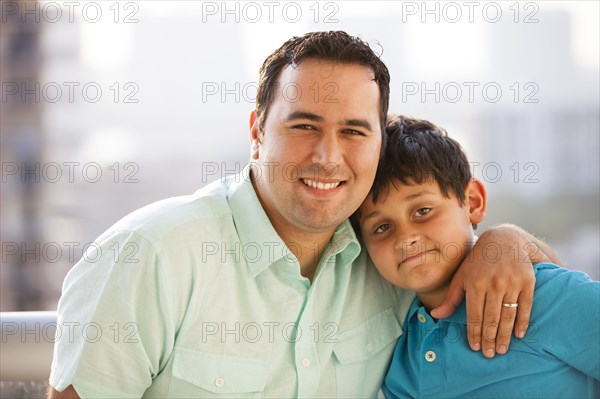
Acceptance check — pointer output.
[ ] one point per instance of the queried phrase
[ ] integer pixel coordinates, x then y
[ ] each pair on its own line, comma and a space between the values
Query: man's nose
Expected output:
328, 150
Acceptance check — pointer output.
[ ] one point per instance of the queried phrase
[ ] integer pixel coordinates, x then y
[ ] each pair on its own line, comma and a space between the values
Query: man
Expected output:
256, 286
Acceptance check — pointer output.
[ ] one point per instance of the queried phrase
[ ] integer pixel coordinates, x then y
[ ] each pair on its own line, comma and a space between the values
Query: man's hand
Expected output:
497, 271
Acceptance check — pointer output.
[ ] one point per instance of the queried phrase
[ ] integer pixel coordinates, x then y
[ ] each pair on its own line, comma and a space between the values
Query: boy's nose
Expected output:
406, 238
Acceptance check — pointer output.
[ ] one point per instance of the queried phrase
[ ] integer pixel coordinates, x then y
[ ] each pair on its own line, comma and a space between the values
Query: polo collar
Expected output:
459, 316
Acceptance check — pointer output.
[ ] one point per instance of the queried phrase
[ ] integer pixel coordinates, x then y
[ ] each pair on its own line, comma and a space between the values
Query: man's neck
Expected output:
307, 248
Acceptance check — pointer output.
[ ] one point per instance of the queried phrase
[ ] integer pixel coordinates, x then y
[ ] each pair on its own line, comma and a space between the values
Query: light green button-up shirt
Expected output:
198, 296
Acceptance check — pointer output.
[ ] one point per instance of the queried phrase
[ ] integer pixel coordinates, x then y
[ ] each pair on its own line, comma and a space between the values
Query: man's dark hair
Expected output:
336, 46
418, 151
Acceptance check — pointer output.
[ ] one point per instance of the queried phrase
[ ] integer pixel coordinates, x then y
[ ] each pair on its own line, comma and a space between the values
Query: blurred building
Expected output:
177, 89
22, 142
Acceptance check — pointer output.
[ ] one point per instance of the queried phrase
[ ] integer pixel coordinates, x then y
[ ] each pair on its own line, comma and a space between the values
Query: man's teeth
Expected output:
319, 185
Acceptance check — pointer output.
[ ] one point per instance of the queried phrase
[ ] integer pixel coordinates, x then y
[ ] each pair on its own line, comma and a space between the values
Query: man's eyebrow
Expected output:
304, 115
316, 118
359, 123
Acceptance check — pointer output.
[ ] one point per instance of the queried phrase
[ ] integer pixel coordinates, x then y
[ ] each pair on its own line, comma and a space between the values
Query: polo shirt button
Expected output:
422, 318
369, 348
430, 356
219, 382
306, 362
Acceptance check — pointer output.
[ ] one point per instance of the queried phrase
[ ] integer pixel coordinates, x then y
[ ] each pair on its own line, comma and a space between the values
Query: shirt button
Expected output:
219, 382
306, 362
422, 318
430, 356
369, 348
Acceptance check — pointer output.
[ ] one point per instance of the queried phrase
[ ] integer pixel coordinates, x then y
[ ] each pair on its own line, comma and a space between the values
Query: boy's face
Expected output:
416, 236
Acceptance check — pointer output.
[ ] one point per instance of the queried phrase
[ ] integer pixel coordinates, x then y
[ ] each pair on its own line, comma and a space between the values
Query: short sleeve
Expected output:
116, 325
567, 305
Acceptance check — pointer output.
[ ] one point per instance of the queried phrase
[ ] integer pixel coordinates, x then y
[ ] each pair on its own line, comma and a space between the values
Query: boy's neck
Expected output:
433, 299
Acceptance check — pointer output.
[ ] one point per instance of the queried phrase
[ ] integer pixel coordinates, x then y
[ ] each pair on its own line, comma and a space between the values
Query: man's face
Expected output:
416, 236
317, 156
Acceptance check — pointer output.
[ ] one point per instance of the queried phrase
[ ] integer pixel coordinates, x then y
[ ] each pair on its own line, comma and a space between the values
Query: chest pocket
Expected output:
365, 350
214, 375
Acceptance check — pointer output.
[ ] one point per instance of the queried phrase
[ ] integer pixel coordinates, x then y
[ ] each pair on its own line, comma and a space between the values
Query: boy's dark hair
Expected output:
336, 46
418, 151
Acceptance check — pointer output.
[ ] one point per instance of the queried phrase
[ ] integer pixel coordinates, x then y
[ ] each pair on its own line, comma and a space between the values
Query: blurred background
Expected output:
108, 106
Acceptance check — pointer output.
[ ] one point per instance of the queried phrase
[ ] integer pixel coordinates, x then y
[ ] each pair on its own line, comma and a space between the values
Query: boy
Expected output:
417, 224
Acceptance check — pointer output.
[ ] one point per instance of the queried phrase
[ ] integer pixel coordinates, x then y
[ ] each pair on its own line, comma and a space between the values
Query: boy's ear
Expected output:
476, 201
255, 135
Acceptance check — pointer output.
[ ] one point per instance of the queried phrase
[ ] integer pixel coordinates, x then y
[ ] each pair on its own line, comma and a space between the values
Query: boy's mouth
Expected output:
416, 256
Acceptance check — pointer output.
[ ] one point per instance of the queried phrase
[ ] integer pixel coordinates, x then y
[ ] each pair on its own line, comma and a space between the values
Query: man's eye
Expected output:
382, 228
422, 211
303, 127
353, 132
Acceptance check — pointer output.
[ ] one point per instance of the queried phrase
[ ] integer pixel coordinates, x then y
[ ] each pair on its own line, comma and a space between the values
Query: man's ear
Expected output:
476, 201
255, 135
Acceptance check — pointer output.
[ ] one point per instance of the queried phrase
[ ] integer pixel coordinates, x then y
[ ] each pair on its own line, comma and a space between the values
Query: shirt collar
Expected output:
459, 316
261, 245
344, 243
260, 242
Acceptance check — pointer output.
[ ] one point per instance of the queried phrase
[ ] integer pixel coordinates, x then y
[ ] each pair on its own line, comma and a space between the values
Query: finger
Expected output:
524, 311
453, 299
475, 303
491, 322
507, 322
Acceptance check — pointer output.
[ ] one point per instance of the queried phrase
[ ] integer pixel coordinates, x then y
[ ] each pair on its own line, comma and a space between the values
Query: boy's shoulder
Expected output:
550, 276
560, 292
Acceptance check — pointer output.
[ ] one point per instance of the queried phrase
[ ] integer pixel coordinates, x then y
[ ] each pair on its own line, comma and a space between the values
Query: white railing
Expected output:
26, 346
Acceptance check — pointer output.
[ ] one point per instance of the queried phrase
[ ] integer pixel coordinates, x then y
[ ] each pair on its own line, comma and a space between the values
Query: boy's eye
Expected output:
382, 228
422, 211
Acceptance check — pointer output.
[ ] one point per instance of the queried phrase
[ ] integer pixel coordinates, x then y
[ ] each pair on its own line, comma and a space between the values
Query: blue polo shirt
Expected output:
197, 296
558, 358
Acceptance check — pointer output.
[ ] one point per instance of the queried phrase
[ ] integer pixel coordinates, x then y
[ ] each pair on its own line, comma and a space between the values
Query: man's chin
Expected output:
321, 220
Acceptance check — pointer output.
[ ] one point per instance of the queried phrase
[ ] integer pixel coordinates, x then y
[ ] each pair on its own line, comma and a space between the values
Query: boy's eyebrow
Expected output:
419, 194
370, 215
408, 198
